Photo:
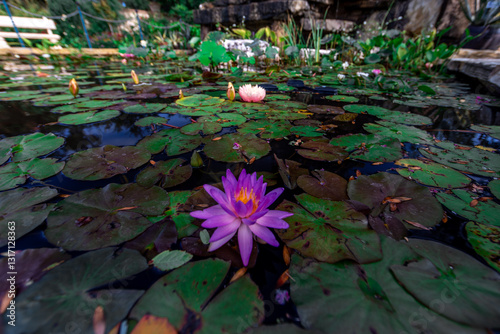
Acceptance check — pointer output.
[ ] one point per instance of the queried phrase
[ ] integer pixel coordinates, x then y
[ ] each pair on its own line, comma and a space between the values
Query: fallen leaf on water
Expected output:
474, 202
286, 255
418, 225
240, 273
283, 279
149, 324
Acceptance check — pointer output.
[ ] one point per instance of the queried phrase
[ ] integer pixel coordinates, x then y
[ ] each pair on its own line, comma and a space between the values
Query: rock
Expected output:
328, 24
299, 7
454, 17
422, 15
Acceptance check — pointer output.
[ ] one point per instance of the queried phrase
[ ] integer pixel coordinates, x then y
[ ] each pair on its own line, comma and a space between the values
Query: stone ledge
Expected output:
64, 52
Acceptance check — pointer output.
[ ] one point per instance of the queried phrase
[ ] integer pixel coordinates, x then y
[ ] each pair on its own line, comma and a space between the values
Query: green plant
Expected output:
211, 54
482, 12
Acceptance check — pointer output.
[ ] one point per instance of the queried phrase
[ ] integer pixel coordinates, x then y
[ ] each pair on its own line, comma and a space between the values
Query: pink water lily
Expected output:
249, 93
243, 208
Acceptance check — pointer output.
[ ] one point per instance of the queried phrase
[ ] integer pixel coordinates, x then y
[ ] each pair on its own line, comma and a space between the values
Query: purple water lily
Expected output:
242, 208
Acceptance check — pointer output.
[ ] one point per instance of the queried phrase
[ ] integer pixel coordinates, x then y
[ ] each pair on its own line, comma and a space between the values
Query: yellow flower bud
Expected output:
181, 95
73, 87
124, 87
134, 77
230, 91
196, 160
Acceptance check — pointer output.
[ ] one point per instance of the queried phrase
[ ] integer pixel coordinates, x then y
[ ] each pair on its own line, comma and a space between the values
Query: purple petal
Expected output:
265, 234
272, 222
278, 214
215, 210
241, 209
217, 194
217, 244
218, 221
270, 198
258, 214
225, 230
245, 242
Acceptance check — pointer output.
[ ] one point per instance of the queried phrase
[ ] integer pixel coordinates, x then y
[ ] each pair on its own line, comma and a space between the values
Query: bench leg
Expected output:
3, 44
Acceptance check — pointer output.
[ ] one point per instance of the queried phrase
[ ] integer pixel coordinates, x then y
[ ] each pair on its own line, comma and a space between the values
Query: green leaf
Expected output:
21, 148
485, 239
432, 174
169, 260
427, 89
226, 148
88, 117
321, 151
166, 174
16, 173
370, 147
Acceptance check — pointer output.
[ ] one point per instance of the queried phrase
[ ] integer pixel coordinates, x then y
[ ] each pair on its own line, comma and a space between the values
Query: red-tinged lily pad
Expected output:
322, 151
64, 296
432, 174
370, 147
23, 207
324, 109
453, 284
236, 147
166, 174
191, 291
485, 240
104, 162
465, 204
22, 148
390, 194
108, 216
290, 171
329, 231
16, 173
372, 299
324, 184
147, 108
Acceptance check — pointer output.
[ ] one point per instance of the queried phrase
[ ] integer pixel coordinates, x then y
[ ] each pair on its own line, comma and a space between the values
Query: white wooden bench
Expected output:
27, 23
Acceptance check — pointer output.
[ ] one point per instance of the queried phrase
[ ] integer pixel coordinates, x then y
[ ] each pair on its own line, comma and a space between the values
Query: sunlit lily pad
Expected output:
44, 306
266, 129
151, 120
16, 173
189, 291
329, 231
236, 147
432, 174
21, 148
464, 158
104, 162
199, 100
166, 174
371, 298
324, 184
466, 290
411, 202
370, 147
401, 132
147, 108
23, 207
102, 217
322, 151
464, 203
88, 117
485, 239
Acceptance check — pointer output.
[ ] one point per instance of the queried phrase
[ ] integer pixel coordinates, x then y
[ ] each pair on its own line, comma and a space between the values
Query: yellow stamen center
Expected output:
245, 196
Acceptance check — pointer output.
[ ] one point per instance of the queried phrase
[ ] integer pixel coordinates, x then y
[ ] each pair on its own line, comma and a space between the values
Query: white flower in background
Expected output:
345, 65
46, 55
144, 43
341, 76
362, 74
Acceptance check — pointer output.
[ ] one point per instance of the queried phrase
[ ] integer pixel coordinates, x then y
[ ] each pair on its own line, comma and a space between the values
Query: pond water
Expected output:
395, 196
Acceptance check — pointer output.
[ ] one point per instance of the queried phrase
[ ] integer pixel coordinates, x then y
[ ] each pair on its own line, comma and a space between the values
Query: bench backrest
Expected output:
27, 22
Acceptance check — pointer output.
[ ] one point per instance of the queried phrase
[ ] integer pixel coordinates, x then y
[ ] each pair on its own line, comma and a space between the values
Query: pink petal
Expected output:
217, 244
264, 233
225, 230
218, 221
245, 242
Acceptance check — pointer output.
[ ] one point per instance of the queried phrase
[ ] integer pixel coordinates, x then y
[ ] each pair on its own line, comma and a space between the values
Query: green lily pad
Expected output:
290, 171
102, 217
371, 110
452, 284
276, 97
151, 120
305, 131
432, 174
329, 231
414, 203
169, 260
88, 117
224, 119
182, 219
21, 148
494, 186
342, 98
324, 184
266, 129
390, 115
23, 207
370, 147
189, 291
287, 105
461, 203
199, 100
165, 173
401, 132
16, 173
372, 300
207, 128
464, 158
147, 108
95, 104
104, 162
485, 239
236, 147
43, 307
492, 130
322, 151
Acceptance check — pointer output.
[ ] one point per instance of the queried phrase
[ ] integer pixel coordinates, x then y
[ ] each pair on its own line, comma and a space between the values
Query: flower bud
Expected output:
181, 94
134, 77
73, 87
196, 160
230, 91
